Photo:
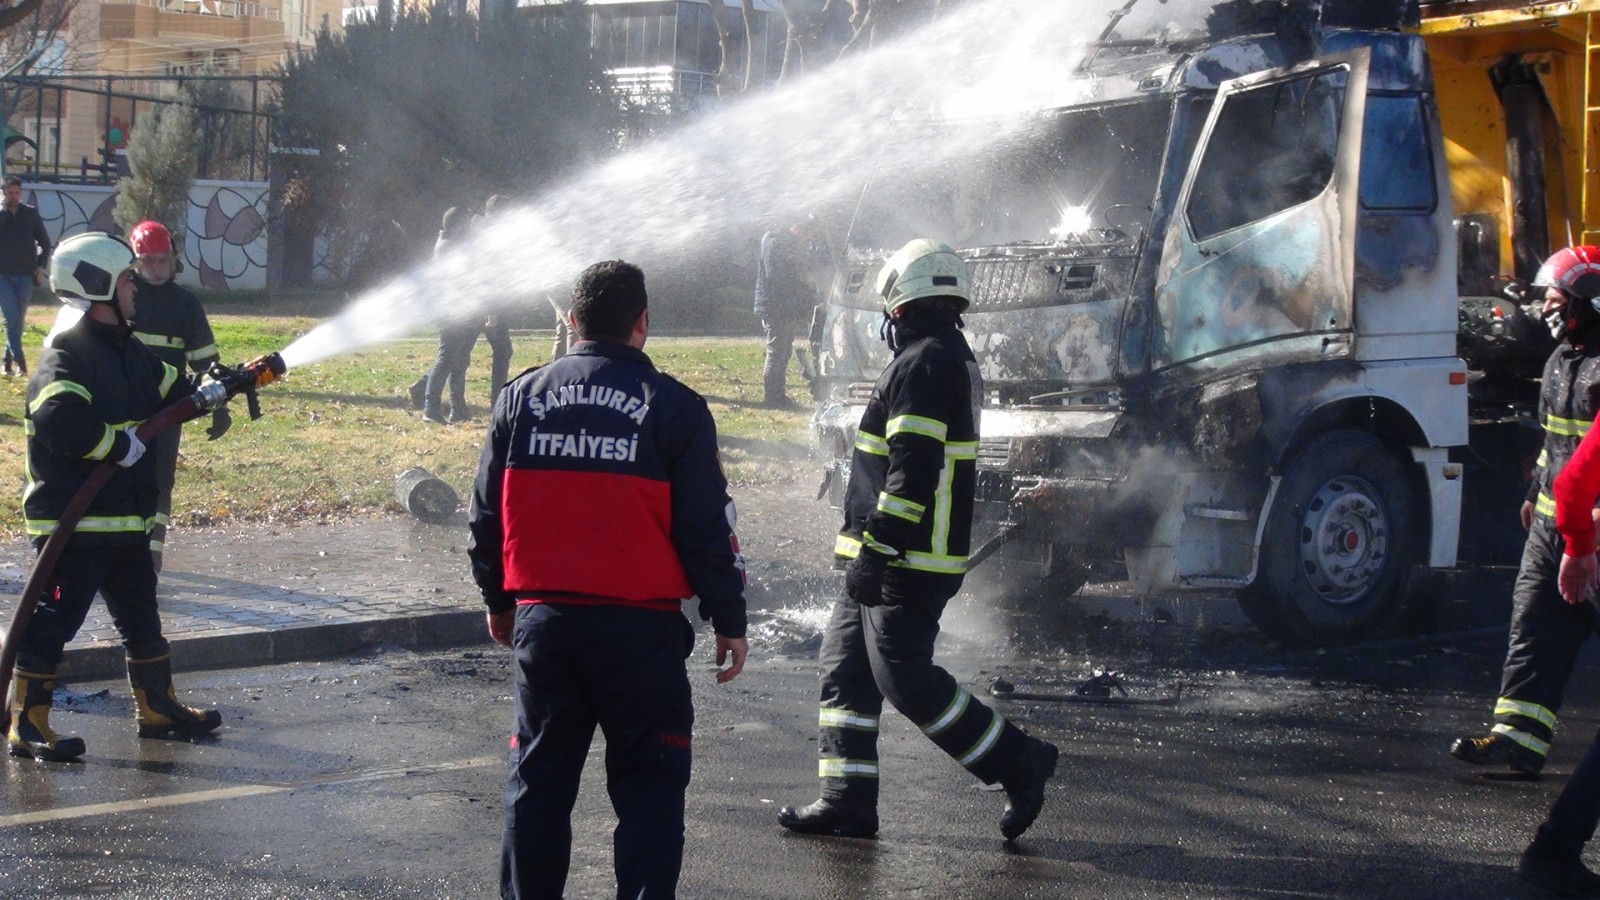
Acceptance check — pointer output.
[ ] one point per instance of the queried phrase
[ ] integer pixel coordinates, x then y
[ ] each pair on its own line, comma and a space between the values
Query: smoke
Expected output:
778, 154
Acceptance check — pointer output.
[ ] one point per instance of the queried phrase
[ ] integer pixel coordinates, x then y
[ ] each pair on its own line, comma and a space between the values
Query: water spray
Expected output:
221, 384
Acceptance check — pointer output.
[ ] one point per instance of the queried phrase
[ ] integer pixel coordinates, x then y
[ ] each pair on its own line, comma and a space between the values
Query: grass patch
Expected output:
334, 435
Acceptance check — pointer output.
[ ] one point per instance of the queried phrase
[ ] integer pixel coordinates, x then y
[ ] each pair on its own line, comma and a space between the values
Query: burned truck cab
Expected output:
1214, 304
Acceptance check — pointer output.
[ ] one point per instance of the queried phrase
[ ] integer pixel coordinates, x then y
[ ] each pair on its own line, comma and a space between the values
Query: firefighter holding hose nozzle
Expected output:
93, 385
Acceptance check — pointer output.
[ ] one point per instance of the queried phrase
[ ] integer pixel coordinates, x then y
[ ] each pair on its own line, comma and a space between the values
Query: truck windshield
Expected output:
1084, 175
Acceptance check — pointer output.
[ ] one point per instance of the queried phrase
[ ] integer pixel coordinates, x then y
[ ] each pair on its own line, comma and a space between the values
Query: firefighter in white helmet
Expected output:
92, 387
907, 531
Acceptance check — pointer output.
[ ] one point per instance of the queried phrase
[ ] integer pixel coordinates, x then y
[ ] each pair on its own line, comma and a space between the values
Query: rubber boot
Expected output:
830, 818
31, 697
1024, 786
159, 712
1497, 749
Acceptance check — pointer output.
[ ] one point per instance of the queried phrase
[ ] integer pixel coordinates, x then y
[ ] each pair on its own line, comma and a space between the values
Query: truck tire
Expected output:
1339, 543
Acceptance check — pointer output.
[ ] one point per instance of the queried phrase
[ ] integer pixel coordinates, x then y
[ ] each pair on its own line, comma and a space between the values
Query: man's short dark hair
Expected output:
607, 301
12, 179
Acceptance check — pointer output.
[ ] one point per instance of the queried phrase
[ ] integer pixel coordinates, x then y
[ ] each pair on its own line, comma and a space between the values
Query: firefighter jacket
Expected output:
914, 466
92, 382
170, 320
1569, 396
600, 483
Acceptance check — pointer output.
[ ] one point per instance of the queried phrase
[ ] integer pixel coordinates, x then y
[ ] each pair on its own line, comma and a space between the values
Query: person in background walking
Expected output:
786, 294
455, 344
24, 253
495, 330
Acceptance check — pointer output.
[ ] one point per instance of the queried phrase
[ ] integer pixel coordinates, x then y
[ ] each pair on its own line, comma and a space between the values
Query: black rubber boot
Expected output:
1024, 787
31, 696
1497, 749
159, 712
8, 364
1564, 876
830, 818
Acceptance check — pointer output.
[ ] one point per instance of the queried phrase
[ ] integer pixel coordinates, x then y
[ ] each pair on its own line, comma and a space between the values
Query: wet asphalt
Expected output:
1278, 772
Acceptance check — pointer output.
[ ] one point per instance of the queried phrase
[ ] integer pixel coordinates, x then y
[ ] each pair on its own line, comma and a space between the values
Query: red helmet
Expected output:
152, 237
1575, 270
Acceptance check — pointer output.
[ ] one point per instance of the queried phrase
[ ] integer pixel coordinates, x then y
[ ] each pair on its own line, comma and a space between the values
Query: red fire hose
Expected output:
232, 381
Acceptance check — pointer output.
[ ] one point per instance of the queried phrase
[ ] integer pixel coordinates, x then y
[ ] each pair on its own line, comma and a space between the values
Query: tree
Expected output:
224, 126
162, 159
423, 108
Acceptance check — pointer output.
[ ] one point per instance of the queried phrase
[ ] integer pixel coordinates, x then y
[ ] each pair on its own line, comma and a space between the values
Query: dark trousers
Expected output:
165, 447
1546, 635
781, 333
872, 653
498, 336
1572, 819
455, 354
621, 668
123, 574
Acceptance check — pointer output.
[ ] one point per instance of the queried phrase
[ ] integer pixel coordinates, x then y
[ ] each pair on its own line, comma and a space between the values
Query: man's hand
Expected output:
1526, 513
38, 276
500, 625
221, 421
1577, 578
738, 648
863, 578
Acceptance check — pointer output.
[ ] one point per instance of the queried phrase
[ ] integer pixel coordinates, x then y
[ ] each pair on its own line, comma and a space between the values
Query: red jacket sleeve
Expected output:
1576, 489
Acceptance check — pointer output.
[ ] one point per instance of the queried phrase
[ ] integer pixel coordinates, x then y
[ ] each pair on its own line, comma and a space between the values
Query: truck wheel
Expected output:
1338, 544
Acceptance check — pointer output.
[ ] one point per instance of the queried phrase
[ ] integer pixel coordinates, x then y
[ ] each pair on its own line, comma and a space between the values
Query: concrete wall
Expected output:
224, 249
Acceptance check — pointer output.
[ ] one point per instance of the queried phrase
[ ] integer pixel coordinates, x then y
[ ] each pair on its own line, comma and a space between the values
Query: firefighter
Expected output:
599, 503
907, 530
1546, 633
173, 325
93, 385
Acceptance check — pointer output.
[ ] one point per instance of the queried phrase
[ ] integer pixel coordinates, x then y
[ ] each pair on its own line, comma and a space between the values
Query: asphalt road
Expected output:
1276, 773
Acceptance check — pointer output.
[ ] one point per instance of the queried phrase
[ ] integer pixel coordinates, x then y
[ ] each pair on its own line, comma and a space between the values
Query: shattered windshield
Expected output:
1085, 175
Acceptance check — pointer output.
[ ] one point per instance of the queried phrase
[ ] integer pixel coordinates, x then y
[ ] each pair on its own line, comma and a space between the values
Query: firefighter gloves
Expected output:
863, 578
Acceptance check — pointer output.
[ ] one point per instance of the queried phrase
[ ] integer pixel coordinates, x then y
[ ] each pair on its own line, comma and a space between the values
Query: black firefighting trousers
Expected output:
1572, 818
1546, 635
621, 668
123, 574
872, 653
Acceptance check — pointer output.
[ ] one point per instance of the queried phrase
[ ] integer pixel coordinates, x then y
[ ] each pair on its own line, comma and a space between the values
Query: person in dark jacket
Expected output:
1547, 633
173, 324
456, 340
94, 384
600, 504
786, 294
24, 253
496, 330
907, 531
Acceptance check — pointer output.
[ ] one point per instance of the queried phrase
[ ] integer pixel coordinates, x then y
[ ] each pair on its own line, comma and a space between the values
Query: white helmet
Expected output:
86, 267
923, 268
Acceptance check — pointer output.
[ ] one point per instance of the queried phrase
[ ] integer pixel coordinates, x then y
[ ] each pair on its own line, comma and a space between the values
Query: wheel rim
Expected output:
1344, 540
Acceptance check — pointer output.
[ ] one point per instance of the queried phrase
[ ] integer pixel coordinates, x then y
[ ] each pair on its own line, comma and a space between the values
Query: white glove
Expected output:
135, 449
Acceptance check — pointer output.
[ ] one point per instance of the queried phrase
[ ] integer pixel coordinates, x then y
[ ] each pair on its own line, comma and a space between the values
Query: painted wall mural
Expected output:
224, 249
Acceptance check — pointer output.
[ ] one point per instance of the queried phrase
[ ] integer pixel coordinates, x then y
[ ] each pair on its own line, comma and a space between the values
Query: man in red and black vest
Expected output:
600, 504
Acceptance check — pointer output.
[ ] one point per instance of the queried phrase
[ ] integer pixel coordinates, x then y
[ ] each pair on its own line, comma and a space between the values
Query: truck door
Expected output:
1259, 263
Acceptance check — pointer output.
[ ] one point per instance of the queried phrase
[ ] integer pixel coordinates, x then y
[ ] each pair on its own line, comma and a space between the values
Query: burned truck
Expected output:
1216, 305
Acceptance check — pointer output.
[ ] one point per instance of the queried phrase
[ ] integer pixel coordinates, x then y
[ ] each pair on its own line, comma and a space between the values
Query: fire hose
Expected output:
220, 385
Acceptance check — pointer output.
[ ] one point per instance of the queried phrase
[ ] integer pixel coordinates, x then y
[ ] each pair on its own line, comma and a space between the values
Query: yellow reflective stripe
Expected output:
202, 353
155, 546
1525, 739
101, 449
932, 562
942, 503
952, 712
1566, 427
58, 387
901, 507
847, 768
1505, 706
922, 425
985, 743
1545, 505
827, 717
168, 378
1544, 459
846, 546
874, 543
871, 443
159, 518
94, 524
159, 340
28, 428
961, 450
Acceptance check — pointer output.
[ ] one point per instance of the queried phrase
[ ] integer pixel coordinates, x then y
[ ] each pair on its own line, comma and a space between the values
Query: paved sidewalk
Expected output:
275, 593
